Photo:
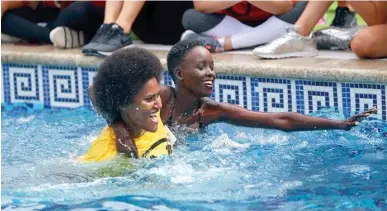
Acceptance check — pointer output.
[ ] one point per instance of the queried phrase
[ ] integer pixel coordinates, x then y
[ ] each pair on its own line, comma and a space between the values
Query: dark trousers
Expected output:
22, 22
159, 22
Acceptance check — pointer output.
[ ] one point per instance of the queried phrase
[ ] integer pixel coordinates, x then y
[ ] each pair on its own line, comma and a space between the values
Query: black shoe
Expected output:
114, 39
208, 42
344, 18
98, 37
334, 38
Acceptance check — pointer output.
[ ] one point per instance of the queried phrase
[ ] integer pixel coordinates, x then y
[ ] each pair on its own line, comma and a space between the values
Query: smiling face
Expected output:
196, 72
142, 113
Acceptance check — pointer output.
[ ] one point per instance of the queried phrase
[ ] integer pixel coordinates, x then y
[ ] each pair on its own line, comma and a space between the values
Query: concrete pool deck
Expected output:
328, 66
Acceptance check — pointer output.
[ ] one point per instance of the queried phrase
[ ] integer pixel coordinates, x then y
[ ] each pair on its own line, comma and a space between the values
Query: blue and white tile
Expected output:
88, 75
317, 96
26, 84
231, 90
167, 79
365, 98
2, 85
294, 95
91, 76
65, 87
384, 102
6, 83
248, 96
272, 95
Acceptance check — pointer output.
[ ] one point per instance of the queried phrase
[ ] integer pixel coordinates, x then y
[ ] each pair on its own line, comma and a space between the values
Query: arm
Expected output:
273, 7
166, 94
286, 121
212, 6
124, 143
373, 12
8, 5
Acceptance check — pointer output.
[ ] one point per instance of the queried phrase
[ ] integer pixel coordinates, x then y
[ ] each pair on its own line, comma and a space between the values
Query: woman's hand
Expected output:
124, 143
356, 119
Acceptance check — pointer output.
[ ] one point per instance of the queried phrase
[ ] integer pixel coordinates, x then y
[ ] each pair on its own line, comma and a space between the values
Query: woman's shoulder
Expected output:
208, 103
166, 93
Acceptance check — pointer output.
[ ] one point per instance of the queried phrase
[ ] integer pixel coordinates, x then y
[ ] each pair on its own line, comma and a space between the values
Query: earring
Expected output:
137, 108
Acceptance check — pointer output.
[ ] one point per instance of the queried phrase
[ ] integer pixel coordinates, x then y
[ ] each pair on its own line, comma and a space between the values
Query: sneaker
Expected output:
98, 37
208, 42
344, 18
64, 37
335, 38
10, 39
112, 40
289, 45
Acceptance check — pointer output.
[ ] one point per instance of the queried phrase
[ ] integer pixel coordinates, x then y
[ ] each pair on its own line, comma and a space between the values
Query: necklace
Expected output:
131, 153
185, 114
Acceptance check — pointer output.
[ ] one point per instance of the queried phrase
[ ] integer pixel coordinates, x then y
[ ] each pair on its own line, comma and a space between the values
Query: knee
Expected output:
190, 19
362, 44
78, 9
200, 22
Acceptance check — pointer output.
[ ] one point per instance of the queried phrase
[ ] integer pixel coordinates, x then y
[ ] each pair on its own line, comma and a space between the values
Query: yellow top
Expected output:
149, 145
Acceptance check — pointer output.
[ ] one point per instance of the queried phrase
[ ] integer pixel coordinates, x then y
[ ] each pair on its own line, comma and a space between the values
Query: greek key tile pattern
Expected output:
66, 87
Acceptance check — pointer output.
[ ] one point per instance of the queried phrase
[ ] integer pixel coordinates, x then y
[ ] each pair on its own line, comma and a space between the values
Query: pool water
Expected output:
226, 168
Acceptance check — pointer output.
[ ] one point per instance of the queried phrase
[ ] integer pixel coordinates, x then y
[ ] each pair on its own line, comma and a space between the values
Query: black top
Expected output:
199, 103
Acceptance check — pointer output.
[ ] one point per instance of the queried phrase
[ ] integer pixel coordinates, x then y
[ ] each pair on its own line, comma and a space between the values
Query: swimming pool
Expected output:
227, 168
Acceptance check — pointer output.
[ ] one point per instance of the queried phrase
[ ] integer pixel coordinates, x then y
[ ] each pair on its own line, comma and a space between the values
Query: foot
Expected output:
112, 40
335, 38
208, 42
344, 18
289, 45
98, 37
64, 37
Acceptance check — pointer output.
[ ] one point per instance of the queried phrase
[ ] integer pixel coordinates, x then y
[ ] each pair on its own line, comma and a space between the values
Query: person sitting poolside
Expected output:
367, 43
231, 25
127, 88
157, 22
192, 69
68, 24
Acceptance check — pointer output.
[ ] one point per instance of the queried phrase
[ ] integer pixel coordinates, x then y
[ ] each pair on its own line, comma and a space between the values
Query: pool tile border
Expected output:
66, 87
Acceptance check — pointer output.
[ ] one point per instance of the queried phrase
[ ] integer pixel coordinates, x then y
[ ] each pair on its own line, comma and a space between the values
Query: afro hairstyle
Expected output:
178, 52
121, 76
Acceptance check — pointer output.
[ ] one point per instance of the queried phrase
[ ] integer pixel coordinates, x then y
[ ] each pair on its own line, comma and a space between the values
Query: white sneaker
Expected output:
9, 39
289, 45
64, 37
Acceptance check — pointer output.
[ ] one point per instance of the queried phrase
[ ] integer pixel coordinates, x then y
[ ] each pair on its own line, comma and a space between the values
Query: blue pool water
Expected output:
227, 168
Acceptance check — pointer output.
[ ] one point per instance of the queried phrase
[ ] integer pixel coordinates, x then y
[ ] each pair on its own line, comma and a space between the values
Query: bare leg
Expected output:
373, 13
371, 42
112, 10
128, 14
273, 7
313, 12
345, 4
342, 3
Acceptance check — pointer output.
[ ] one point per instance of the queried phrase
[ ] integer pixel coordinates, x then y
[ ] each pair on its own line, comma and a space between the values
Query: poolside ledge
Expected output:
328, 66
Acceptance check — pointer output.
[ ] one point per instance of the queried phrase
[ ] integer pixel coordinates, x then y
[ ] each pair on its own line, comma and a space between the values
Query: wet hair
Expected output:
121, 76
177, 54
